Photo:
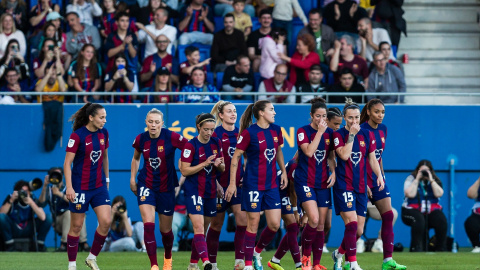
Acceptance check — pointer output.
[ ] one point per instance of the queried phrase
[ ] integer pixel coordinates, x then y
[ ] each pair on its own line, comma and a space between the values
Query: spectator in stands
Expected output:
38, 14
17, 215
227, 45
13, 59
109, 22
156, 61
265, 29
223, 7
122, 41
52, 82
421, 206
386, 49
193, 61
262, 5
271, 46
80, 34
197, 24
149, 33
347, 84
48, 55
54, 195
86, 9
120, 79
85, 73
146, 15
301, 61
389, 13
370, 39
123, 236
239, 78
12, 84
343, 16
199, 84
278, 84
53, 30
386, 78
283, 15
243, 21
108, 18
314, 85
162, 84
18, 9
323, 34
472, 224
343, 57
8, 31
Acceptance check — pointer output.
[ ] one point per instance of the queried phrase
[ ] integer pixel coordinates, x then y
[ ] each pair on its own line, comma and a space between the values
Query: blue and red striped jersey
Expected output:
261, 146
228, 142
89, 148
380, 138
195, 24
158, 172
313, 171
202, 183
88, 81
352, 174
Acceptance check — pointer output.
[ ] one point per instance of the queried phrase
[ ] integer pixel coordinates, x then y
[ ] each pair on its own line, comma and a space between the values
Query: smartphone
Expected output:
121, 67
15, 49
51, 47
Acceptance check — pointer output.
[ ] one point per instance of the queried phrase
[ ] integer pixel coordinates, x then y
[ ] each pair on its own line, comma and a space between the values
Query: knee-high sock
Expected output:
194, 256
167, 240
342, 249
201, 246
308, 236
282, 247
265, 238
150, 242
72, 247
249, 246
387, 234
350, 241
212, 244
317, 247
98, 242
292, 232
239, 241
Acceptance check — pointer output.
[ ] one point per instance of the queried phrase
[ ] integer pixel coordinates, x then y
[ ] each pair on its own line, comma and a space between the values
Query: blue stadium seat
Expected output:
219, 80
218, 22
255, 24
258, 79
210, 79
307, 5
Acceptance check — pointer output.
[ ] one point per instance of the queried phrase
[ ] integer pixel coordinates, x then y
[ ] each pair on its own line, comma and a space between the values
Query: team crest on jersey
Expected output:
362, 143
95, 156
308, 194
160, 148
378, 153
102, 141
355, 158
78, 206
319, 155
253, 205
275, 139
327, 141
383, 139
301, 136
208, 169
186, 153
215, 151
270, 154
155, 162
198, 208
71, 143
349, 204
289, 208
142, 199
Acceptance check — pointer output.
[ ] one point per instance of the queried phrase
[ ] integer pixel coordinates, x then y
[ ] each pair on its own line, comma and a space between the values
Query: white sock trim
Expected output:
275, 260
387, 259
91, 257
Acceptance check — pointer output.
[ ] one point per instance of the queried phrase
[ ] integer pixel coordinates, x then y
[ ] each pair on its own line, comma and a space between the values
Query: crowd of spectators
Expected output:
181, 46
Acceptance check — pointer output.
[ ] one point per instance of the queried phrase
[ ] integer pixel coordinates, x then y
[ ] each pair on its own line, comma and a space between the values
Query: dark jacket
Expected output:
391, 10
337, 88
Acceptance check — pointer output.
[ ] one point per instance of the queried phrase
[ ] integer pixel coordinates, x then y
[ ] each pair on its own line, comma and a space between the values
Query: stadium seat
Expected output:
307, 5
210, 79
219, 80
255, 24
218, 22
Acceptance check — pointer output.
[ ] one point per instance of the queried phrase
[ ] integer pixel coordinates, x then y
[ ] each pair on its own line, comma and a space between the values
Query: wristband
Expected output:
295, 208
107, 179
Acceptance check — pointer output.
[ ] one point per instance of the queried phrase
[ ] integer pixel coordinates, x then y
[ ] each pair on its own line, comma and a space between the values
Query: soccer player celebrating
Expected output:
201, 163
157, 180
354, 147
262, 144
226, 114
371, 119
87, 181
312, 180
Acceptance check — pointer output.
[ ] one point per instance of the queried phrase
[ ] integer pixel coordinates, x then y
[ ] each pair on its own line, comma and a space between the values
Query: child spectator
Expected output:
109, 22
193, 61
243, 21
108, 18
122, 41
271, 46
13, 85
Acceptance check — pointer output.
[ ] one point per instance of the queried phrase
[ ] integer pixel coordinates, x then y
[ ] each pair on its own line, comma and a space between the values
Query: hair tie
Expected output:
204, 120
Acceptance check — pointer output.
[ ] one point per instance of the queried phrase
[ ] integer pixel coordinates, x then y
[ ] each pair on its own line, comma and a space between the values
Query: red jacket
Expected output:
305, 64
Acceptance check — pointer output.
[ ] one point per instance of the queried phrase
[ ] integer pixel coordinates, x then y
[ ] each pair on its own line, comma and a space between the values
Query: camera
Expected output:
55, 177
122, 208
22, 194
51, 47
424, 173
35, 184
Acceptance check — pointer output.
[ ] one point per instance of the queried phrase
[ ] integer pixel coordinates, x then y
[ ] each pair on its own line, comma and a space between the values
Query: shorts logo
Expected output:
253, 205
275, 139
71, 143
186, 153
102, 141
219, 206
349, 204
308, 194
78, 206
327, 141
208, 169
270, 154
231, 150
362, 143
95, 156
336, 141
288, 208
198, 208
355, 158
319, 155
155, 162
378, 153
301, 136
142, 199
160, 148
383, 139
240, 139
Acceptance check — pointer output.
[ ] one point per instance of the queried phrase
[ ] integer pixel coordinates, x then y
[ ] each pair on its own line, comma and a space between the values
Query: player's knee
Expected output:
76, 228
321, 227
359, 232
313, 222
216, 225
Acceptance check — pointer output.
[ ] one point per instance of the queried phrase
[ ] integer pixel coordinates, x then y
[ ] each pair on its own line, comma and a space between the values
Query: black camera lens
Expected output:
22, 194
55, 177
122, 208
424, 173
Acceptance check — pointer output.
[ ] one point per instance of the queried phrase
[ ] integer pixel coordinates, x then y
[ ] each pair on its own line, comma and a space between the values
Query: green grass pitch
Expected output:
132, 261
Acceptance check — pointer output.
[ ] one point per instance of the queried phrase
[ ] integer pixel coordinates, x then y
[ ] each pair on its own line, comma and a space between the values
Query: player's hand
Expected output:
369, 192
322, 126
218, 162
133, 187
303, 220
354, 129
297, 217
220, 193
70, 193
331, 180
209, 161
380, 183
230, 192
283, 181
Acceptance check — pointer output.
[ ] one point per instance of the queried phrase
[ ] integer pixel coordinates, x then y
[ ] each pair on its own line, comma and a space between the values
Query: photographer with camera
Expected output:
421, 209
123, 236
53, 194
17, 216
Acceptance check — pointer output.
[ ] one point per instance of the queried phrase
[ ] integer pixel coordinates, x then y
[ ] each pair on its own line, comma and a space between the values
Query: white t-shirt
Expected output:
150, 46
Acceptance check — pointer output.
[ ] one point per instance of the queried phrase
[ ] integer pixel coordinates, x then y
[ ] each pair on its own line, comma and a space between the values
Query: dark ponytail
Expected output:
364, 115
81, 117
252, 110
317, 103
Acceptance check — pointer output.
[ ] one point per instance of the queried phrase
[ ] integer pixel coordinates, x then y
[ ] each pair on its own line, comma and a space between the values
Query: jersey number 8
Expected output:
81, 200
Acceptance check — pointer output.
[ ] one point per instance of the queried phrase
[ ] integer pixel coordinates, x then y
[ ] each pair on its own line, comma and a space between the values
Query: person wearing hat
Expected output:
162, 84
86, 9
153, 62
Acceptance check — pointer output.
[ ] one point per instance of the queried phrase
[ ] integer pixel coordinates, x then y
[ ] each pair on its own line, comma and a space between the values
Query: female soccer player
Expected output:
157, 180
371, 119
312, 180
226, 114
87, 182
201, 164
354, 147
262, 143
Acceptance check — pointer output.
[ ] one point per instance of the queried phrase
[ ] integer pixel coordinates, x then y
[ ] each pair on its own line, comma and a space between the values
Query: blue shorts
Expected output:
322, 196
95, 197
223, 205
379, 195
259, 200
286, 203
346, 201
197, 205
164, 202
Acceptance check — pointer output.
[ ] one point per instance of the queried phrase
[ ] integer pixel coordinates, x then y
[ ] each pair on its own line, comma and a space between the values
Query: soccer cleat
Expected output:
476, 250
360, 245
167, 264
337, 262
257, 262
393, 265
306, 263
298, 268
377, 246
73, 267
319, 267
214, 266
193, 266
155, 267
348, 266
92, 263
274, 265
239, 264
207, 265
